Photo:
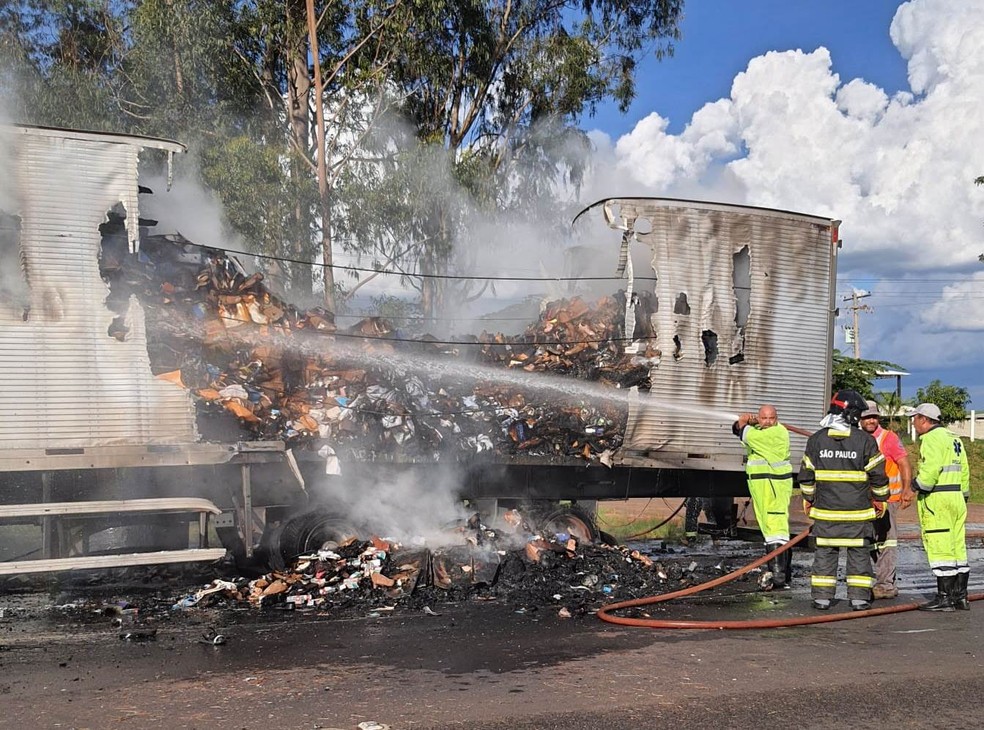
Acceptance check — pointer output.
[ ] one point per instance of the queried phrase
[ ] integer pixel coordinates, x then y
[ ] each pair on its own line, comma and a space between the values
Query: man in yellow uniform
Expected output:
770, 482
941, 490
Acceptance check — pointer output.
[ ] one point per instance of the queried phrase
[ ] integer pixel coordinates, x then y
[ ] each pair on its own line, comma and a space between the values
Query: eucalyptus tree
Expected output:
499, 86
58, 60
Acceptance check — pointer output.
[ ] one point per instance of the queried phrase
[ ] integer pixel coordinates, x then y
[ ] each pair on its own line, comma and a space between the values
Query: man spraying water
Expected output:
770, 483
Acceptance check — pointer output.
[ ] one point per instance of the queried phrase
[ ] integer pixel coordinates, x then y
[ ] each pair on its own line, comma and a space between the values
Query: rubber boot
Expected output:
960, 592
945, 585
780, 578
788, 566
768, 577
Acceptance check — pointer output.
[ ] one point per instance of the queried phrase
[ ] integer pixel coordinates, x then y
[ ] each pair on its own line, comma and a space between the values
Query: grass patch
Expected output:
975, 458
621, 528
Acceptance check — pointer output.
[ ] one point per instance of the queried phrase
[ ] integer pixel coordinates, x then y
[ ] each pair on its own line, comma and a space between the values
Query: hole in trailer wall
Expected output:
741, 287
113, 250
709, 339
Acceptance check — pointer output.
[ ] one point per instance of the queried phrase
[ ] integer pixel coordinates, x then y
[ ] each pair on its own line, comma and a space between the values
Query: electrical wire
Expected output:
353, 335
452, 277
635, 519
656, 527
459, 277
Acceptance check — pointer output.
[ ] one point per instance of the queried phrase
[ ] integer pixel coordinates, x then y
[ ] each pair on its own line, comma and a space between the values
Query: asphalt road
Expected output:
484, 667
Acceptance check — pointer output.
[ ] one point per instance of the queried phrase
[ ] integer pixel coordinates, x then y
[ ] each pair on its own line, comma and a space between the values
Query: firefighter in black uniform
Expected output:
844, 486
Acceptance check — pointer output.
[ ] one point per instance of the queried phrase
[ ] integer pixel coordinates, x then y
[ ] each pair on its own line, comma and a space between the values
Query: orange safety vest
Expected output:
892, 470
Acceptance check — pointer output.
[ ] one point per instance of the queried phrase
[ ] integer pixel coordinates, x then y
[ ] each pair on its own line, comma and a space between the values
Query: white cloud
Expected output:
959, 308
897, 169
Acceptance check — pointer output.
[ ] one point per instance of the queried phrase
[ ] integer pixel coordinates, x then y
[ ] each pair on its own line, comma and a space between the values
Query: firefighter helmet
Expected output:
849, 403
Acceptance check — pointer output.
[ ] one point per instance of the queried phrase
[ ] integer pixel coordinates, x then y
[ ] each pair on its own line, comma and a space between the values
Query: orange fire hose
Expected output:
605, 613
797, 429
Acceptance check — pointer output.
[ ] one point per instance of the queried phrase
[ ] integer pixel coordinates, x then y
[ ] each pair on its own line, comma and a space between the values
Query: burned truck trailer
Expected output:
110, 450
725, 307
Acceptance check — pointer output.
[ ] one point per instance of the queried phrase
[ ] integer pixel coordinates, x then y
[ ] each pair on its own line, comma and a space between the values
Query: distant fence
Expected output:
971, 427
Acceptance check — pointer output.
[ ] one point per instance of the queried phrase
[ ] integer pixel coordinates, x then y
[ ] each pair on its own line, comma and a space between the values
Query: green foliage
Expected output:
951, 399
975, 460
499, 86
492, 91
892, 406
858, 375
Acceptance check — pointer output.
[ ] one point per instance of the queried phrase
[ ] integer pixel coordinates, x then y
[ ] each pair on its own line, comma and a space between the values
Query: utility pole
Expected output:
856, 296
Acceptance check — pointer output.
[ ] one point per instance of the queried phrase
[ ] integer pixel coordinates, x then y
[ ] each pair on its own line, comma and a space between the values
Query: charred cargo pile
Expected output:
293, 375
544, 572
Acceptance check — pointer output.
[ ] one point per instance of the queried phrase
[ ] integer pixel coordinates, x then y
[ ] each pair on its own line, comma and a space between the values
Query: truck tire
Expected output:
571, 520
302, 534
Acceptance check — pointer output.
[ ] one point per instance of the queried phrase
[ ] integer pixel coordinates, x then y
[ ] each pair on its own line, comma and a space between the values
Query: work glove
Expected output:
879, 507
807, 506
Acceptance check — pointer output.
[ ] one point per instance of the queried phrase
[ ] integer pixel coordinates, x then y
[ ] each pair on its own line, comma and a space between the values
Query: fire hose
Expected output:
605, 613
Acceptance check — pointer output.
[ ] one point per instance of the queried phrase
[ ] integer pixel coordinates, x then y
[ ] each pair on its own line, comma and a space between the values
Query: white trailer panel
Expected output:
64, 381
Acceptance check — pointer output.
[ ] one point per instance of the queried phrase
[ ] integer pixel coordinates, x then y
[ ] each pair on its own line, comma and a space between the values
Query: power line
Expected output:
464, 277
452, 277
356, 336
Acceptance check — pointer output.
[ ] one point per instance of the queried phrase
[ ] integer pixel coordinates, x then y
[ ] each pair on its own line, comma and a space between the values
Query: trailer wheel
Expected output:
304, 533
571, 520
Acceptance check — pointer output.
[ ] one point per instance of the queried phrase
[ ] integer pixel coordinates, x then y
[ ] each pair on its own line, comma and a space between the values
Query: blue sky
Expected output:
866, 111
721, 36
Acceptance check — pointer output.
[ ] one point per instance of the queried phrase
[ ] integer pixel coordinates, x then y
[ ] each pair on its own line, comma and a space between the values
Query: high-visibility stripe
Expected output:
950, 468
840, 542
940, 529
886, 545
807, 463
947, 488
823, 581
875, 461
860, 581
830, 475
834, 515
783, 538
891, 471
895, 486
